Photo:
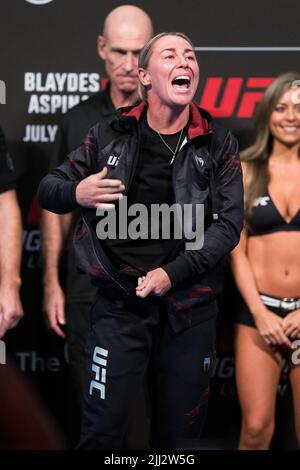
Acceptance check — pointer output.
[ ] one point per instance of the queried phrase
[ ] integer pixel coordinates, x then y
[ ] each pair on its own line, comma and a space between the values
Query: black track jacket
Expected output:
206, 170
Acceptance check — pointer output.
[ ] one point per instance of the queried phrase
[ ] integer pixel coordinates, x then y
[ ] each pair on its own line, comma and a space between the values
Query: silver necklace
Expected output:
173, 152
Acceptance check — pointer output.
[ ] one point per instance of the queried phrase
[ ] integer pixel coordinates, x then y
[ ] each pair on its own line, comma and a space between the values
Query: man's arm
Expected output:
54, 232
10, 258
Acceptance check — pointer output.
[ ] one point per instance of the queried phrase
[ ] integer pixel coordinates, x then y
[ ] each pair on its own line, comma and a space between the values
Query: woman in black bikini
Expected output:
266, 263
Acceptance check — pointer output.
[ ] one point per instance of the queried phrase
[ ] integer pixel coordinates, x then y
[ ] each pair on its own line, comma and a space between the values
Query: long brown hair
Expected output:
257, 155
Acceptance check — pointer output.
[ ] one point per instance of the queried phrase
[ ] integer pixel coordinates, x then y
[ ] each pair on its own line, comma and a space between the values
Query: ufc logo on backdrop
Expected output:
99, 368
225, 97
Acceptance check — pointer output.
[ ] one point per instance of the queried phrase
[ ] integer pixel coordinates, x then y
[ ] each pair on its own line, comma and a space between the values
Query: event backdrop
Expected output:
49, 63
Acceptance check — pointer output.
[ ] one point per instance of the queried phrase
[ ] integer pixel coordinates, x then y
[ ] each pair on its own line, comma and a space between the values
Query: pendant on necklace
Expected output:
173, 158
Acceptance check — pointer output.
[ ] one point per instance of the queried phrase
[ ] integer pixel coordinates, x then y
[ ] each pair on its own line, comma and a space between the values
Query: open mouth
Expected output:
182, 81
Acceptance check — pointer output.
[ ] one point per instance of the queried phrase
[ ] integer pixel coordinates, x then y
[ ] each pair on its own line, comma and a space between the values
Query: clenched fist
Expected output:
156, 282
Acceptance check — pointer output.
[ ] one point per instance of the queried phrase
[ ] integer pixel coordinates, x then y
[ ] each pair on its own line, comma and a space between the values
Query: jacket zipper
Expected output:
135, 160
108, 268
175, 163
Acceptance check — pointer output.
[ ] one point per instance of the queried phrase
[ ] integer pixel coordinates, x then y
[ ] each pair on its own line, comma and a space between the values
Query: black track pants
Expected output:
126, 337
77, 330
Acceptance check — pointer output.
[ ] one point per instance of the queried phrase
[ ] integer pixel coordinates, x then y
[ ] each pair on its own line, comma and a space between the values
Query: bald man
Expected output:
126, 30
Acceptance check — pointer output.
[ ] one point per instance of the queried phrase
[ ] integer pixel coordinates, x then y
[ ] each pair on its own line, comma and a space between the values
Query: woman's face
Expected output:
285, 120
172, 74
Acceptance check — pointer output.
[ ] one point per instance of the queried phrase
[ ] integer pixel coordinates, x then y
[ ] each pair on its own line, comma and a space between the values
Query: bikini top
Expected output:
266, 218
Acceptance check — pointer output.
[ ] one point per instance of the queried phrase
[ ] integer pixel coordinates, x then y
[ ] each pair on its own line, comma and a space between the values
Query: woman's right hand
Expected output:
97, 191
270, 327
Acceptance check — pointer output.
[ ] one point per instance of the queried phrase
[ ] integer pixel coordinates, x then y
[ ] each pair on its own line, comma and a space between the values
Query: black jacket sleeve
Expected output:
222, 235
57, 190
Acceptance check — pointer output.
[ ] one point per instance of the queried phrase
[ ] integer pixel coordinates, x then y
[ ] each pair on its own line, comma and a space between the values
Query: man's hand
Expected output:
54, 308
96, 191
11, 310
156, 282
291, 324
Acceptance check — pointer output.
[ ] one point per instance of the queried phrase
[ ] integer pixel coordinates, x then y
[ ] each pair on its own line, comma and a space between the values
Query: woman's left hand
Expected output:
291, 324
156, 282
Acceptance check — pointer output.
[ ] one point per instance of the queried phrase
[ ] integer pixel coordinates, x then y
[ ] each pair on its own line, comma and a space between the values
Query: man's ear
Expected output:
144, 77
101, 43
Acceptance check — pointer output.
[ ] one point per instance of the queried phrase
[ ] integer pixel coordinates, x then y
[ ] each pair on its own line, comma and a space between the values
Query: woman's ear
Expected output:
144, 77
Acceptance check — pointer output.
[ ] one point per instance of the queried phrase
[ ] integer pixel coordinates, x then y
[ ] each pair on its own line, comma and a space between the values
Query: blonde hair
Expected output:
146, 53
